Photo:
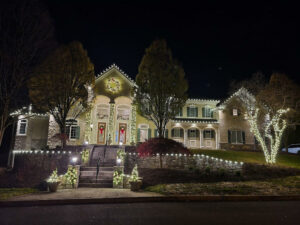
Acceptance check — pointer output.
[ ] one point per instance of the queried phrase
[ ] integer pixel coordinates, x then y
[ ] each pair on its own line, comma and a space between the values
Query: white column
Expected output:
200, 133
185, 138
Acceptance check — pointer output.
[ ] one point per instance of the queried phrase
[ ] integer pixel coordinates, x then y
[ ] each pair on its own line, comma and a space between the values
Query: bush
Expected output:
161, 146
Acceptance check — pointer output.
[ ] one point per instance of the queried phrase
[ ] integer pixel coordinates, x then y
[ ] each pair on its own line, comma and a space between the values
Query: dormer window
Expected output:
234, 112
22, 127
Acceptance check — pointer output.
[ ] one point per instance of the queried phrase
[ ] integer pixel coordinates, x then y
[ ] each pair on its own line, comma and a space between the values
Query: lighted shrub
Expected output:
161, 146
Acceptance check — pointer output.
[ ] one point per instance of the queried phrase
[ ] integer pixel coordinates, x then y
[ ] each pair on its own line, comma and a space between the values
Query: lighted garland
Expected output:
54, 178
118, 178
85, 154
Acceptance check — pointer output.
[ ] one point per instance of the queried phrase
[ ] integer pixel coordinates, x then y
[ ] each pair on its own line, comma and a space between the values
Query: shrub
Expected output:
161, 146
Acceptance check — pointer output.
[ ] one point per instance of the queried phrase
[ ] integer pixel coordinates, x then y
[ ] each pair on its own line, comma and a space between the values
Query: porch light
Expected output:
74, 159
121, 143
86, 142
119, 160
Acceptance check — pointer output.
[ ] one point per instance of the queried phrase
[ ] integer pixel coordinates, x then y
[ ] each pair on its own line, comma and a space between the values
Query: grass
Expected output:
6, 193
278, 186
284, 160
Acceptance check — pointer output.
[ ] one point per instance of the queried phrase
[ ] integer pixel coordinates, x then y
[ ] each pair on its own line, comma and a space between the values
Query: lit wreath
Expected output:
113, 85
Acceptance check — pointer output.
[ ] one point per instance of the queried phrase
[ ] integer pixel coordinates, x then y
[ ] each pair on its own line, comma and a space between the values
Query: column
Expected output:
200, 134
185, 139
110, 133
133, 125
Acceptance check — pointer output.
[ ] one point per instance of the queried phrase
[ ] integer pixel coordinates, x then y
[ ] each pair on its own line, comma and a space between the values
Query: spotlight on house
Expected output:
119, 160
121, 143
86, 142
74, 160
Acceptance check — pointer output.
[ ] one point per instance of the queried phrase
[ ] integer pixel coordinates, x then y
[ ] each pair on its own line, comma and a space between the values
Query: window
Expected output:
208, 134
177, 132
192, 111
234, 112
102, 111
123, 112
22, 127
207, 112
193, 133
72, 129
236, 137
179, 114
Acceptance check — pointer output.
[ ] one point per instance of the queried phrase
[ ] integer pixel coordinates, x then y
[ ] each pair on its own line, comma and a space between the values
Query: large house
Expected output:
113, 119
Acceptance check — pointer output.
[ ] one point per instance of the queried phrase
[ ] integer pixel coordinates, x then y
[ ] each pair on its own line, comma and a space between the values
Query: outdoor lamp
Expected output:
74, 160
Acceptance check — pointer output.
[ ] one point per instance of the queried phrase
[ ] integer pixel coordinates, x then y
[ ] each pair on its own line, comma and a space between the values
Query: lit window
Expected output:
22, 128
123, 112
235, 112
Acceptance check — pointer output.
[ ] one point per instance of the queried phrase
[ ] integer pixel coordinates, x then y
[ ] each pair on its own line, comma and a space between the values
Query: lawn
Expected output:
278, 186
285, 160
6, 193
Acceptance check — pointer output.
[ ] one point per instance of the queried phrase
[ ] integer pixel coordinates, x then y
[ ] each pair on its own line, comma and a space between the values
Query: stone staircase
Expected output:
88, 173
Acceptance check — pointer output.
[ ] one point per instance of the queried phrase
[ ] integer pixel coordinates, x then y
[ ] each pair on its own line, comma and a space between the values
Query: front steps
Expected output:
88, 177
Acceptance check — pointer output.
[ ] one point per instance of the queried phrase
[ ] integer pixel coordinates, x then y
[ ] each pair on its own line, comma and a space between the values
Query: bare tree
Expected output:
26, 37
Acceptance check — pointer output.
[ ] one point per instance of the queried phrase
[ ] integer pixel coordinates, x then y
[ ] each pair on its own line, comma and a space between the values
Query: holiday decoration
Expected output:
113, 85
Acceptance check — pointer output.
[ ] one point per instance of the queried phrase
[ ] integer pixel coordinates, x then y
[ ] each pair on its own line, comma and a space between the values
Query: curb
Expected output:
233, 198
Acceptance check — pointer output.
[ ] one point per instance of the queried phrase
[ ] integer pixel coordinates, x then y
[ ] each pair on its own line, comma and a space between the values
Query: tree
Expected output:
26, 37
162, 88
270, 110
61, 84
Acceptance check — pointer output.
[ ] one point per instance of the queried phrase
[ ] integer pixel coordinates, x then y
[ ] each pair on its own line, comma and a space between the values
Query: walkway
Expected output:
83, 193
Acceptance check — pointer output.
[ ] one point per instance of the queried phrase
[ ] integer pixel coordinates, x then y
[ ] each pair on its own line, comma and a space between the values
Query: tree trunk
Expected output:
1, 135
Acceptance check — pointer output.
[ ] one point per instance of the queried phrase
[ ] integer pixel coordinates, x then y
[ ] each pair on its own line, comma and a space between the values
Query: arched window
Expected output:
102, 111
209, 134
123, 112
193, 133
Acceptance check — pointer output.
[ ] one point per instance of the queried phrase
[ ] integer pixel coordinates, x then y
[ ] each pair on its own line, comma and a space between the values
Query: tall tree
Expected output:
26, 37
162, 88
272, 108
62, 83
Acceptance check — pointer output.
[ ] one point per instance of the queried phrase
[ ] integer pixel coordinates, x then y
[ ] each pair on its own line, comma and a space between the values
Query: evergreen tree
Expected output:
162, 88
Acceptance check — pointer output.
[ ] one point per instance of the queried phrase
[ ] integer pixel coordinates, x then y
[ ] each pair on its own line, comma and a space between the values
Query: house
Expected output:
113, 119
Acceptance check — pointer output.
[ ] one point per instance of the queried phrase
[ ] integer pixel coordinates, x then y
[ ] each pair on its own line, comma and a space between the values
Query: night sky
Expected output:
215, 43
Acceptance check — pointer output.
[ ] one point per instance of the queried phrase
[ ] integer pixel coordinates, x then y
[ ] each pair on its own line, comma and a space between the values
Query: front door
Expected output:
101, 133
122, 133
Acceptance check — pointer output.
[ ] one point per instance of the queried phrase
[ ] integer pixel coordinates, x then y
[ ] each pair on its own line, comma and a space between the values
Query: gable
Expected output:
113, 83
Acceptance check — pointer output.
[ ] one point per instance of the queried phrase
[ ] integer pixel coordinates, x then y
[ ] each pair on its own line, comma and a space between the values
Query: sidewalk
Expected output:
109, 195
84, 193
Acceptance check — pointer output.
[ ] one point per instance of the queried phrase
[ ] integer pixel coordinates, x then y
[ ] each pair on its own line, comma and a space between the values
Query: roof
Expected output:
28, 111
238, 92
114, 66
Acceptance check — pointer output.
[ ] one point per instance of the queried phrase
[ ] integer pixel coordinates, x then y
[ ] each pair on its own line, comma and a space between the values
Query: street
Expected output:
277, 212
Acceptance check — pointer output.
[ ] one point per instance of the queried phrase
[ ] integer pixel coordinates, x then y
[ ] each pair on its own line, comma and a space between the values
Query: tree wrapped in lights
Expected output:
269, 112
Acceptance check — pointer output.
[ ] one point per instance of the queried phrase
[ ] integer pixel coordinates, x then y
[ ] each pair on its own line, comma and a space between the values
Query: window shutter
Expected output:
138, 135
166, 133
243, 135
196, 111
188, 111
155, 132
149, 133
181, 132
77, 134
211, 114
172, 132
229, 137
212, 134
67, 131
180, 112
203, 112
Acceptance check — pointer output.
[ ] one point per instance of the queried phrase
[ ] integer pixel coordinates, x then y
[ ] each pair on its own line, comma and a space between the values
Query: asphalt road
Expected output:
205, 213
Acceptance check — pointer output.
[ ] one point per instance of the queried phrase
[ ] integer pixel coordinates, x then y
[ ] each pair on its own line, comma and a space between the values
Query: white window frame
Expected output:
19, 127
234, 112
70, 132
207, 111
210, 132
236, 137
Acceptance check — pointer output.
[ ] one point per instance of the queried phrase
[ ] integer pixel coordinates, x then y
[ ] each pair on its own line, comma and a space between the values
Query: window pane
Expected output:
239, 137
73, 132
233, 137
22, 128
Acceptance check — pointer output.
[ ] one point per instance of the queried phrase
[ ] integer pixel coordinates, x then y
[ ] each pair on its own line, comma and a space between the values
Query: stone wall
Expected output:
192, 162
31, 170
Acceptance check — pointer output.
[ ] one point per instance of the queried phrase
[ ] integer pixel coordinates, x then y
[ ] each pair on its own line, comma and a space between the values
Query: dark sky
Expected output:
214, 42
